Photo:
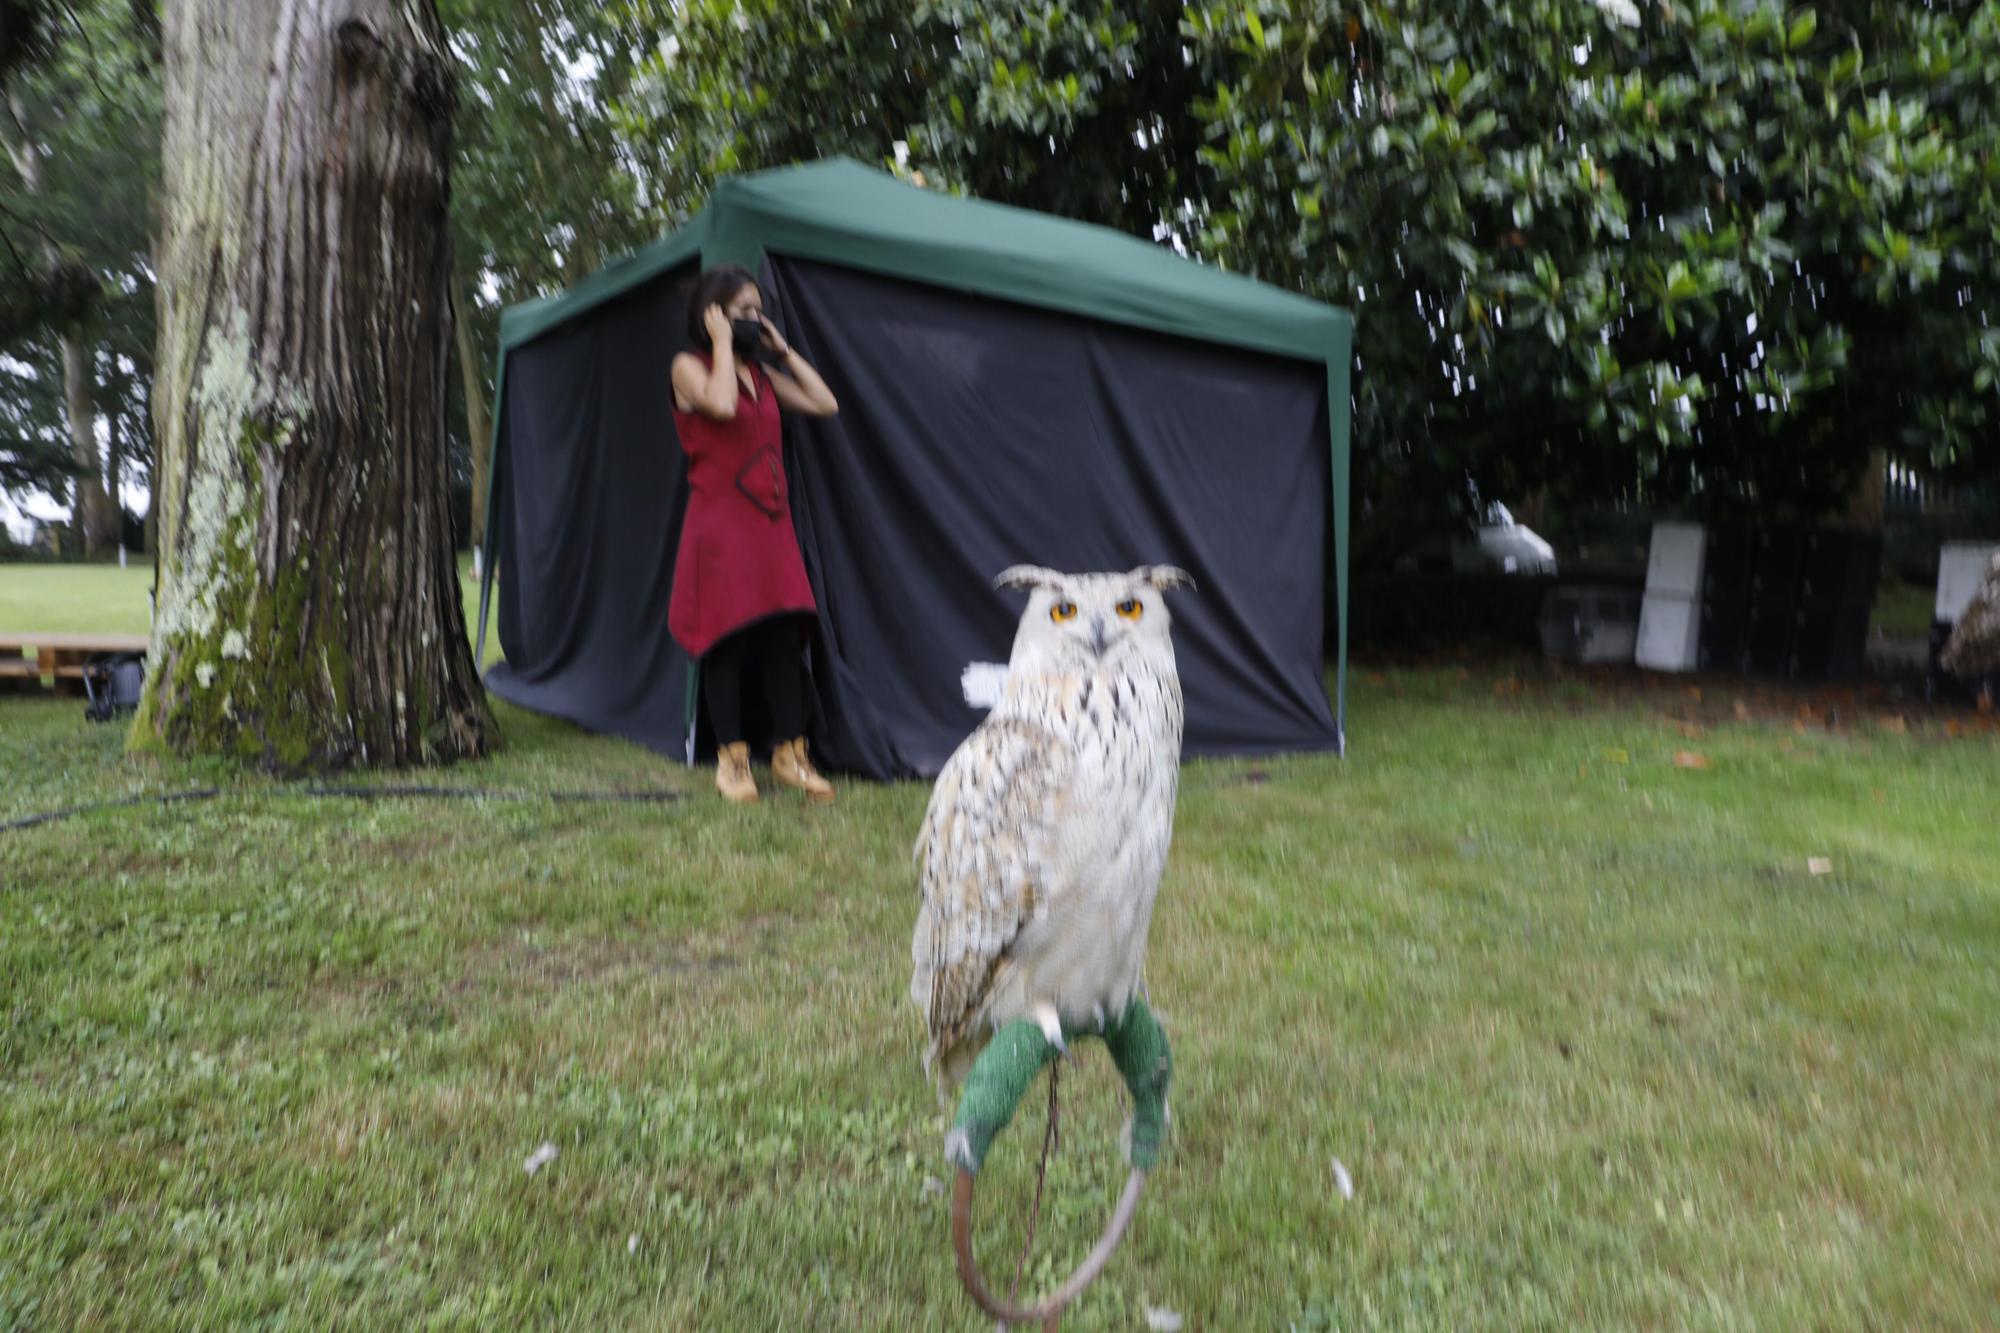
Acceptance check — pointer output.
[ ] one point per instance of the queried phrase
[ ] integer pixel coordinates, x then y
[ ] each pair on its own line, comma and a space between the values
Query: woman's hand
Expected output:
773, 339
711, 389
797, 385
716, 322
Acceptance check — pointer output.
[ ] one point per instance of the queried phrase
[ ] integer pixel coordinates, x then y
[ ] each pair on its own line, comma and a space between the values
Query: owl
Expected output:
1046, 834
1974, 647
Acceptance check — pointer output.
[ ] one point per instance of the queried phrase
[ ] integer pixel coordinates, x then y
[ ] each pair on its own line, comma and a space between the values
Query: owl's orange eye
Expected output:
1131, 609
1062, 611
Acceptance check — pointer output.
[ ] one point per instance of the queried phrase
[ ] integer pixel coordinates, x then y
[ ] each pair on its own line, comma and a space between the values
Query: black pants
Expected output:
777, 644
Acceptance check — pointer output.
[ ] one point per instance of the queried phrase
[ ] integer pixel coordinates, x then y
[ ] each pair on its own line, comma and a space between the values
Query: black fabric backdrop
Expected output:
973, 434
588, 492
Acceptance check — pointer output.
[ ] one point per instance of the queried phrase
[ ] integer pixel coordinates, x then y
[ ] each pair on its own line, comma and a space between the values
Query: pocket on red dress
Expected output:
762, 481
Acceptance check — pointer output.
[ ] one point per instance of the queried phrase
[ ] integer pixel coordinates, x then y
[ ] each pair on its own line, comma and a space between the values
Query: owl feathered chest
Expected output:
1125, 733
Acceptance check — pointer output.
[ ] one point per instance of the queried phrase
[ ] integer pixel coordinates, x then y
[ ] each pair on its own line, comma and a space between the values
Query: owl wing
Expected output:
986, 849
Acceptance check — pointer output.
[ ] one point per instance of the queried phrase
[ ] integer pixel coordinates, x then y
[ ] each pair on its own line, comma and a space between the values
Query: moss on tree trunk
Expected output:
309, 614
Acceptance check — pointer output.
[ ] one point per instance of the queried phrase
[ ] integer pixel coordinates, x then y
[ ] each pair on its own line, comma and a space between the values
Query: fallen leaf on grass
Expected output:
1162, 1320
1689, 759
1617, 756
1819, 865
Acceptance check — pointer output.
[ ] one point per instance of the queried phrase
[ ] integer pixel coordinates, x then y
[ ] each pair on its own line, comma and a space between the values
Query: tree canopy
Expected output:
1708, 253
80, 87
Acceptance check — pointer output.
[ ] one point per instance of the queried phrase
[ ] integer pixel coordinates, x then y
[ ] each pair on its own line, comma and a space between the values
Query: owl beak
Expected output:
1097, 640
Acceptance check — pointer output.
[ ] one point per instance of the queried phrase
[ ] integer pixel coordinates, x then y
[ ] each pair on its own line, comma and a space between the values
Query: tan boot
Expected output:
732, 774
791, 768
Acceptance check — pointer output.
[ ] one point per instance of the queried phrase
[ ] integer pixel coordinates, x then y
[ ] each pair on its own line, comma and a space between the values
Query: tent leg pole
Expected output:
693, 702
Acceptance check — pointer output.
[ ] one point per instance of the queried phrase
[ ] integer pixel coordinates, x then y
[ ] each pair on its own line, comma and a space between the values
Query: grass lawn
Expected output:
1597, 1043
1904, 608
75, 599
104, 599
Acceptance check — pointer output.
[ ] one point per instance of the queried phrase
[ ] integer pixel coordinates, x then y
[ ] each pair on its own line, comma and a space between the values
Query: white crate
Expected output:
1669, 632
1961, 568
1675, 562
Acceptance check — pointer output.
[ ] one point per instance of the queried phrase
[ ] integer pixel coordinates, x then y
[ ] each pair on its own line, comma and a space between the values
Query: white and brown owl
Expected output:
1047, 831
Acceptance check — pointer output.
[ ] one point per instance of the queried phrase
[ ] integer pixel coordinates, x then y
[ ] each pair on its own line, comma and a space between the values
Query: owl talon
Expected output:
1050, 1022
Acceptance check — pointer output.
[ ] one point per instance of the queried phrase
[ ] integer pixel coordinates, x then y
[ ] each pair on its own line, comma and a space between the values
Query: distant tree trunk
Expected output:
1867, 503
309, 612
93, 515
96, 520
478, 426
114, 469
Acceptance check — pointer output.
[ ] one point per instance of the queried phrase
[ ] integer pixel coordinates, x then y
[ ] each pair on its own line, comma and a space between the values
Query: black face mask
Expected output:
747, 337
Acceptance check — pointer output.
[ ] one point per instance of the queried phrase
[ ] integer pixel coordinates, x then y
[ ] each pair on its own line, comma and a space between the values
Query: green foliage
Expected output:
1079, 109
541, 192
76, 254
34, 451
1714, 256
540, 196
1707, 253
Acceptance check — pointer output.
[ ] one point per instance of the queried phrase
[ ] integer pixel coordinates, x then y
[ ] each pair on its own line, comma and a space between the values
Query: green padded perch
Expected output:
1019, 1051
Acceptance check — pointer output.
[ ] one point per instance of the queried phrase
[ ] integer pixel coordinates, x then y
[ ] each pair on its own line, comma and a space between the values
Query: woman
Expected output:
740, 590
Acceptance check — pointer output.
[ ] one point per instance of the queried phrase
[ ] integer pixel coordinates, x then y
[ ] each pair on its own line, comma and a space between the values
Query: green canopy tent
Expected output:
1186, 415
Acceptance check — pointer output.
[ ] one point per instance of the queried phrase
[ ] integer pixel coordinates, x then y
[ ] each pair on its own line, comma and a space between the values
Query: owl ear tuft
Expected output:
1164, 578
1027, 576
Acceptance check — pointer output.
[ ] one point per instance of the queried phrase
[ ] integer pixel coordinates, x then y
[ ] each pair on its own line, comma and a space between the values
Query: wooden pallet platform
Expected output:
30, 657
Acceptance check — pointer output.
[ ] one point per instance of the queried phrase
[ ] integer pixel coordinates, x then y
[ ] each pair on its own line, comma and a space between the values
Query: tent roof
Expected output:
841, 212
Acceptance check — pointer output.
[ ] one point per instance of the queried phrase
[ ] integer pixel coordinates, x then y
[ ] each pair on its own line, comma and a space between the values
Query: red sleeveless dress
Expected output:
739, 559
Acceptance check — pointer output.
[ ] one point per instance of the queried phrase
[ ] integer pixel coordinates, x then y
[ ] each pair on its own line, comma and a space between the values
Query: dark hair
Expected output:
718, 286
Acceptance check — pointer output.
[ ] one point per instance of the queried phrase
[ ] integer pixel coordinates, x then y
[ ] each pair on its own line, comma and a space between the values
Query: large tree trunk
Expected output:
92, 511
309, 611
478, 426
